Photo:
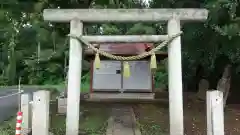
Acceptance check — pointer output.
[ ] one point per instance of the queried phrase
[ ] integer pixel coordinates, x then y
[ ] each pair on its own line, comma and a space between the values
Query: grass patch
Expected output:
149, 120
150, 129
8, 127
91, 122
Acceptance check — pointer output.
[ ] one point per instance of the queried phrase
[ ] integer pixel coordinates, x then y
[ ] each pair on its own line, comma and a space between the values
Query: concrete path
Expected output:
122, 121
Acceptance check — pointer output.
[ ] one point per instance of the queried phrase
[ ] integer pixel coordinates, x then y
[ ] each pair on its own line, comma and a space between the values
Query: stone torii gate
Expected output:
77, 17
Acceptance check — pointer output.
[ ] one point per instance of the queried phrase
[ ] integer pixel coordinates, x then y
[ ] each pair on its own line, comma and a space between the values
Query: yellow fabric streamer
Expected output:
97, 62
153, 62
126, 69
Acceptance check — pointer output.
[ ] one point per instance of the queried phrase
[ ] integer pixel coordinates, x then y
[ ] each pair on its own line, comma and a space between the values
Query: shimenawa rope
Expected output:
126, 67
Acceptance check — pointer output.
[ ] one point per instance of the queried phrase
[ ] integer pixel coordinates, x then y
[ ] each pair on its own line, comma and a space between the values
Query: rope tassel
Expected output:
126, 69
153, 62
97, 61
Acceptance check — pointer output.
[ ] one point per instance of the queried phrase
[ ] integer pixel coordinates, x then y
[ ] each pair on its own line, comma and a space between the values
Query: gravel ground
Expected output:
154, 119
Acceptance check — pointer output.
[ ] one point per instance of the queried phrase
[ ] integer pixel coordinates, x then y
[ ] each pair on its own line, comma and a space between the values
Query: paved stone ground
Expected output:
122, 121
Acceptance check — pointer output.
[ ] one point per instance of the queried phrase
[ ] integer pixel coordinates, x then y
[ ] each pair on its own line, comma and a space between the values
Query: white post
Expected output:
209, 115
27, 115
215, 113
40, 112
175, 79
74, 79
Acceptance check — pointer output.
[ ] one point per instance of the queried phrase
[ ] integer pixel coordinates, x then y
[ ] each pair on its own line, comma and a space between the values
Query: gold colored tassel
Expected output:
97, 62
126, 69
153, 62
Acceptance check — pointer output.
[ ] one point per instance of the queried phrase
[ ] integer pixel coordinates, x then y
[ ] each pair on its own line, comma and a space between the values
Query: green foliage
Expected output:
85, 83
151, 129
22, 30
3, 80
161, 75
140, 29
108, 29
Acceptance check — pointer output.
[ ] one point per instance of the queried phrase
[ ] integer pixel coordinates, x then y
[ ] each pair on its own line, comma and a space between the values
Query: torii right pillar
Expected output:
175, 79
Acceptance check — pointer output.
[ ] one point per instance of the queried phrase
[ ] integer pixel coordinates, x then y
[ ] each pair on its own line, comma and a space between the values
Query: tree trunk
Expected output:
11, 66
224, 83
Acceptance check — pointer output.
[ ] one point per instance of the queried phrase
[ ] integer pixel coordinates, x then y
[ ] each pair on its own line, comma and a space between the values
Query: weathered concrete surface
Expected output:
122, 121
124, 15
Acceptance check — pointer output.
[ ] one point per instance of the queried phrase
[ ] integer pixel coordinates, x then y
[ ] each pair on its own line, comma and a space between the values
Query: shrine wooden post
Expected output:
76, 17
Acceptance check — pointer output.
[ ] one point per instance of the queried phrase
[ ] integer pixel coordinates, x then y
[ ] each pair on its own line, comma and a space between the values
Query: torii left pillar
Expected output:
74, 79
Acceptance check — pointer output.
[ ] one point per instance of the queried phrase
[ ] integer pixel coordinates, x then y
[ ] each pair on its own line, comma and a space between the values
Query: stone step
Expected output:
120, 96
